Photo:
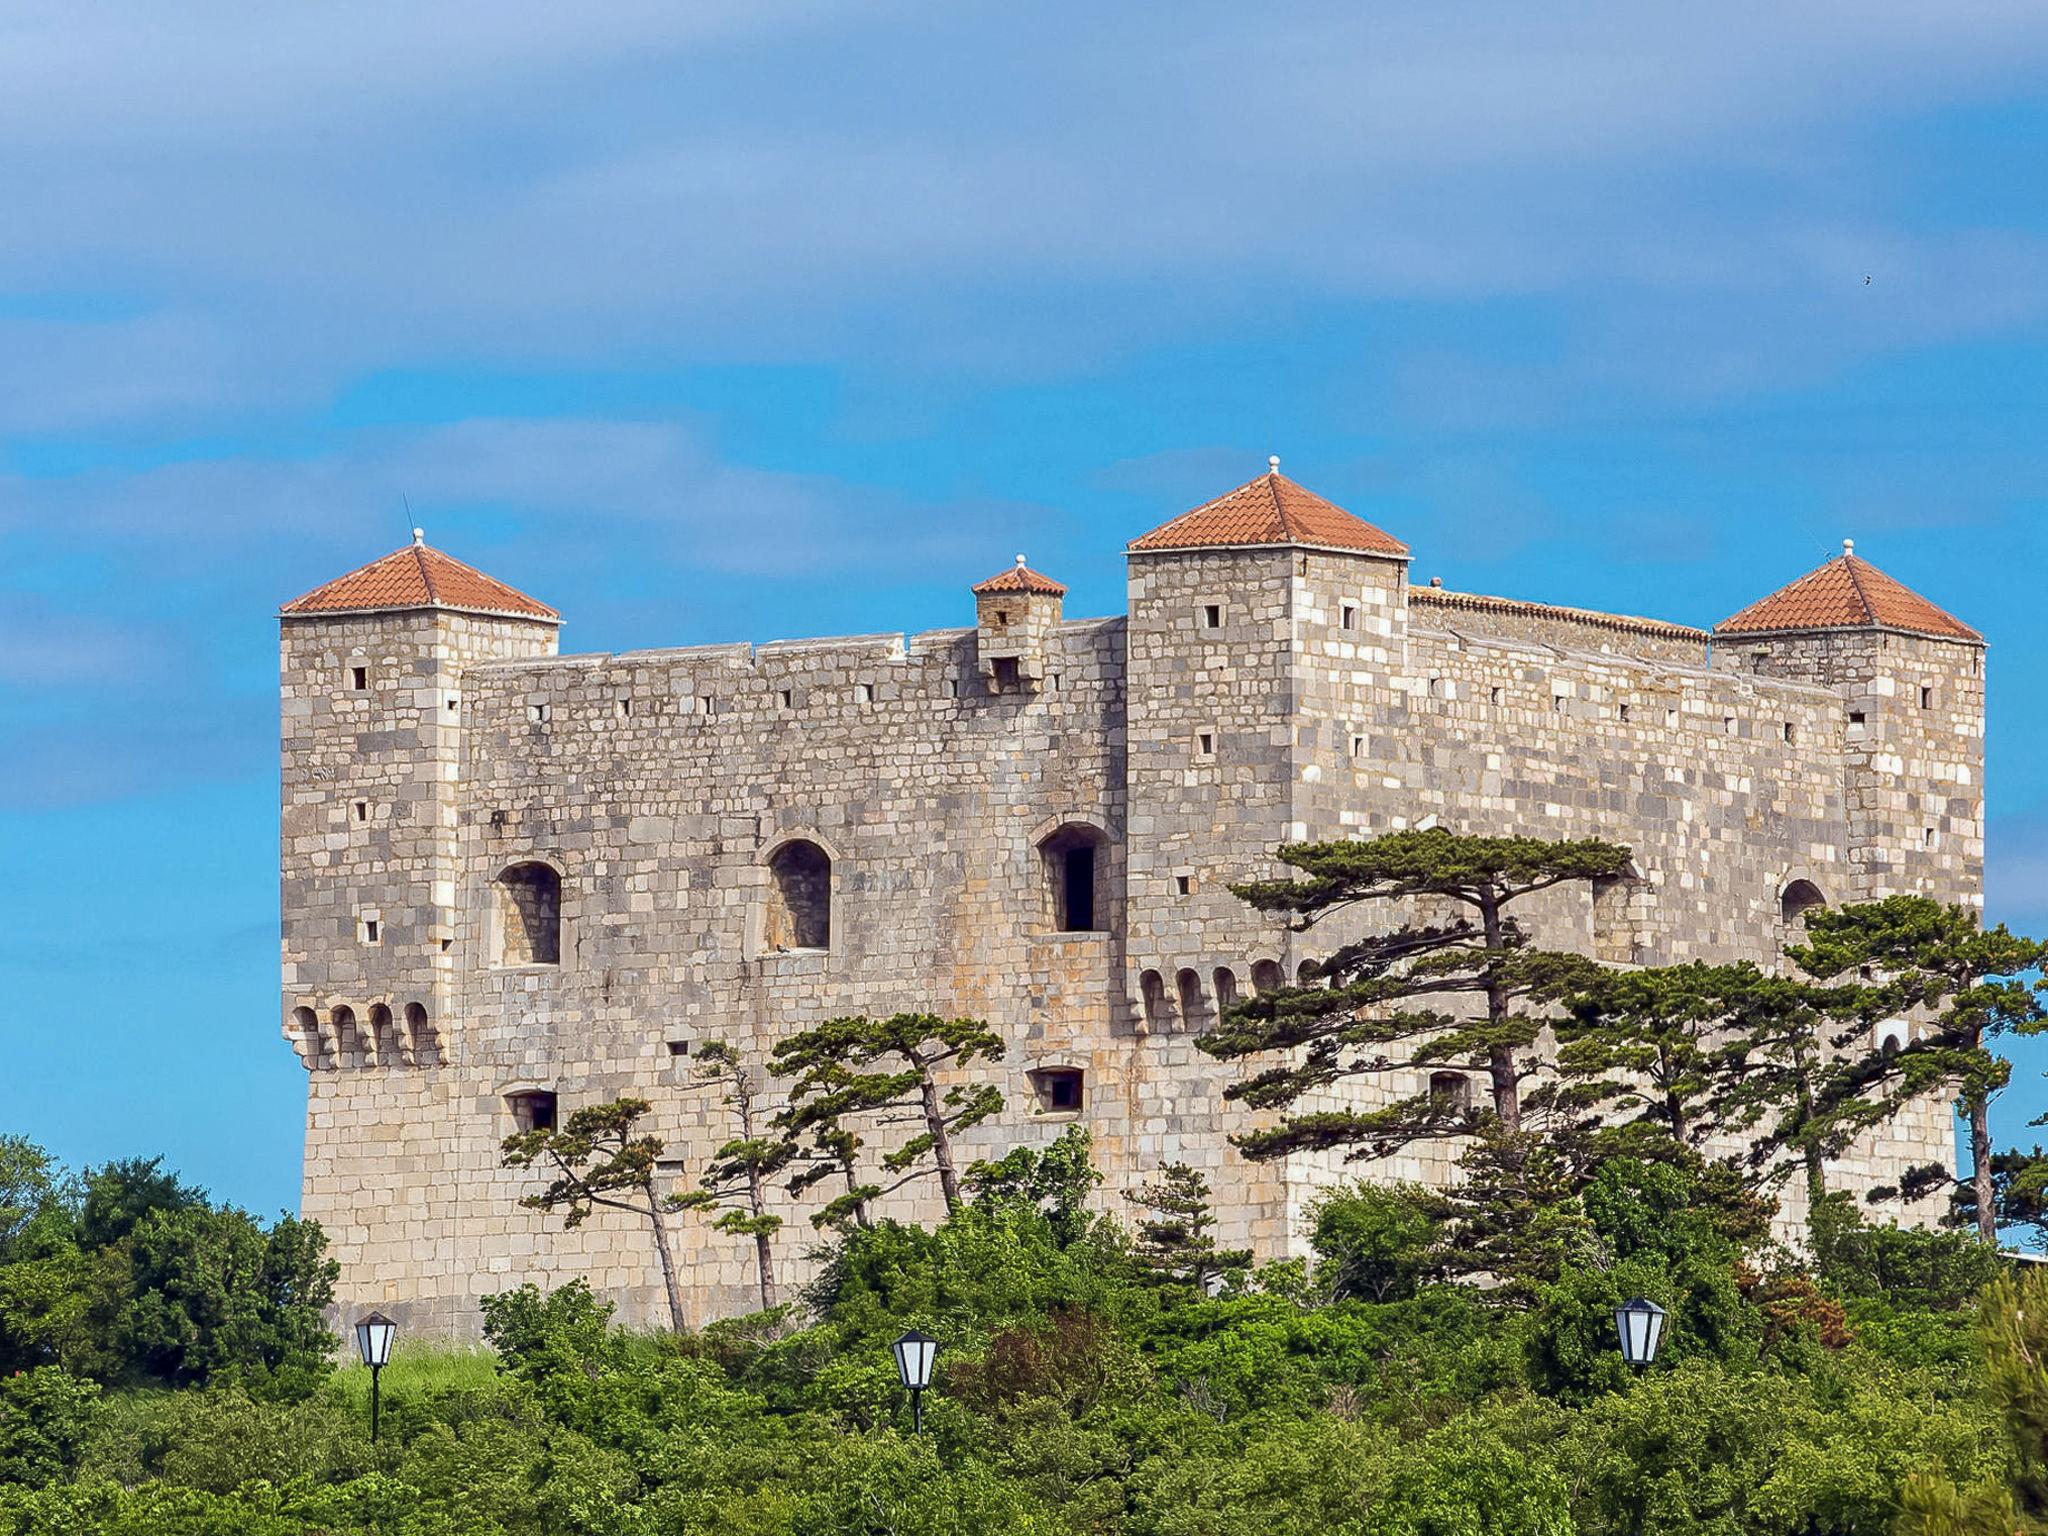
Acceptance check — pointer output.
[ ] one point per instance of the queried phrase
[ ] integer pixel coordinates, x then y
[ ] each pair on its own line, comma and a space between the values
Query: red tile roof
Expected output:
1020, 578
1270, 510
1847, 593
418, 577
1628, 623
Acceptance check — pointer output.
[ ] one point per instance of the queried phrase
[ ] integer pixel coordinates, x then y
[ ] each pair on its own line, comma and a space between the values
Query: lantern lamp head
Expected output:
915, 1352
373, 1339
1641, 1326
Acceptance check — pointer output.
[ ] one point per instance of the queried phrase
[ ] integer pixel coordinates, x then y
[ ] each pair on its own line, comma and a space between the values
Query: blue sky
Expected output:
743, 321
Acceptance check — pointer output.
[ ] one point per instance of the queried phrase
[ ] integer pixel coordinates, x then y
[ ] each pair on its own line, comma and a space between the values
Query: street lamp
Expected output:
1641, 1326
373, 1342
915, 1352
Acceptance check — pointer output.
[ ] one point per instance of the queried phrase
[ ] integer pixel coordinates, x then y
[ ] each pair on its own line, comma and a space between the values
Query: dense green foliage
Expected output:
1084, 1385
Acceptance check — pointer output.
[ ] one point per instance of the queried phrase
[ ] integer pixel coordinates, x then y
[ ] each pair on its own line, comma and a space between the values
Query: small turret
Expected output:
1015, 614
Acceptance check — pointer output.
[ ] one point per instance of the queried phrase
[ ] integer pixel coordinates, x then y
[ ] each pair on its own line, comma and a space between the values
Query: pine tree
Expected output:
1174, 1244
599, 1161
1939, 959
736, 1182
885, 1073
1384, 1008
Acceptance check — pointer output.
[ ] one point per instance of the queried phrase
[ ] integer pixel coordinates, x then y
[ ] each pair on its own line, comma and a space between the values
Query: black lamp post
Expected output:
915, 1352
1641, 1326
373, 1342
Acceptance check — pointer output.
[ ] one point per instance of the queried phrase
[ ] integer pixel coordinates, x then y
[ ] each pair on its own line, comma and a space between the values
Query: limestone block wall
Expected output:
659, 785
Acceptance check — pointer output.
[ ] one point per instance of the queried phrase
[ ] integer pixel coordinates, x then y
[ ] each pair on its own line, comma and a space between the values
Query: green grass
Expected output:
421, 1368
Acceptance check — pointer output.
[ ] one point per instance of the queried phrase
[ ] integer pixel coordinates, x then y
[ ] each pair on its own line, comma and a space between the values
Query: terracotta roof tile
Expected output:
418, 577
1628, 623
1847, 593
1020, 578
1269, 510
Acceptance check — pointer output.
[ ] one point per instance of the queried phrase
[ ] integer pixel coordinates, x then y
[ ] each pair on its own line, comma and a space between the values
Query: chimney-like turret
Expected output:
1015, 614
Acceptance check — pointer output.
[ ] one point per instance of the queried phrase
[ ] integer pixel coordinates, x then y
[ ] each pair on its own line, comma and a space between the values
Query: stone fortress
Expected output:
515, 881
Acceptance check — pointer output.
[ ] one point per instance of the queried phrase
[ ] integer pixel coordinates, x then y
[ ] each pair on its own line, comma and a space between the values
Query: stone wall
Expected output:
1252, 697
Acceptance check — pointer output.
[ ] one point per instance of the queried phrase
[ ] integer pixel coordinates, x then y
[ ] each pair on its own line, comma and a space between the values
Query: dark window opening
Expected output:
1057, 1089
679, 1047
1226, 987
1183, 884
1153, 988
1926, 698
533, 1110
1452, 1089
1205, 744
1006, 673
1077, 890
1350, 618
1212, 616
359, 678
370, 929
1192, 1008
362, 810
799, 898
1799, 898
529, 898
1267, 976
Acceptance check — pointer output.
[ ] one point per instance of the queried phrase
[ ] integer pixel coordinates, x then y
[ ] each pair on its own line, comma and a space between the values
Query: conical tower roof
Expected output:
1847, 593
418, 576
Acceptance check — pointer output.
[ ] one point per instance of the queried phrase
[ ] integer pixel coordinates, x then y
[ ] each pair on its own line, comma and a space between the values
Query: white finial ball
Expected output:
1848, 546
1020, 559
419, 535
1273, 463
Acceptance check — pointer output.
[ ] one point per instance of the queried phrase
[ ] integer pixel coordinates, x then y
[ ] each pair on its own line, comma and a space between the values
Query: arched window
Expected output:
1267, 976
348, 1038
799, 898
1892, 1036
1307, 974
1073, 864
1153, 988
1189, 984
383, 1043
426, 1045
1453, 1090
1798, 899
529, 899
1226, 988
306, 1026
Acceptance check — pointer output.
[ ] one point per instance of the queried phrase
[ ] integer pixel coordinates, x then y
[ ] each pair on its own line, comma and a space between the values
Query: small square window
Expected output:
1728, 724
706, 704
787, 699
1623, 711
1436, 688
539, 713
533, 1110
1857, 719
679, 1047
952, 687
623, 707
359, 678
454, 704
1671, 719
1348, 616
1205, 744
1791, 734
1212, 616
1006, 674
1496, 694
1358, 746
361, 809
1057, 1089
1002, 615
371, 930
1926, 697
864, 692
1928, 837
1183, 884
1557, 703
446, 944
1052, 682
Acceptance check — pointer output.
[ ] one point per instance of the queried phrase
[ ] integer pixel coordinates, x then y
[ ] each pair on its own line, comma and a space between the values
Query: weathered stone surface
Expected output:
1250, 697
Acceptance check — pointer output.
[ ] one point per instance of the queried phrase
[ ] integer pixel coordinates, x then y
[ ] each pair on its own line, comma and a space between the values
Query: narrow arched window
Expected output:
1189, 985
1307, 974
529, 901
348, 1038
306, 1025
1798, 899
383, 1043
1226, 988
799, 898
1267, 976
425, 1044
1072, 860
1153, 988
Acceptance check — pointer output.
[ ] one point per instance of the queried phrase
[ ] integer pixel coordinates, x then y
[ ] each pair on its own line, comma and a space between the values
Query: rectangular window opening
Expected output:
1926, 697
454, 704
1052, 682
1057, 1089
533, 1110
362, 810
1184, 884
371, 930
706, 704
1077, 889
1212, 616
1496, 694
623, 707
1006, 674
1624, 712
1205, 744
1856, 719
1557, 703
788, 699
1728, 724
1791, 734
538, 713
359, 678
1348, 616
952, 687
446, 945
679, 1047
1358, 746
864, 692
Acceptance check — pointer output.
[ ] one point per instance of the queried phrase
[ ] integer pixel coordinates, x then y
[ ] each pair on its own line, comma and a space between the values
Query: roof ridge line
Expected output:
419, 555
1863, 597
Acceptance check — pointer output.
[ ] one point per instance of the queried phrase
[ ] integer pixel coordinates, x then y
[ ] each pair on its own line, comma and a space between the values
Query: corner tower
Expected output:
1247, 616
371, 670
1912, 732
